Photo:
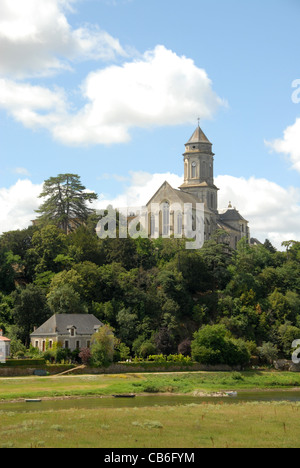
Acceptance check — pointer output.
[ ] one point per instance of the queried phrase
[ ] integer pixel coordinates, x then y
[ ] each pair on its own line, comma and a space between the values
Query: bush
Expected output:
172, 358
213, 345
85, 355
268, 352
185, 348
24, 363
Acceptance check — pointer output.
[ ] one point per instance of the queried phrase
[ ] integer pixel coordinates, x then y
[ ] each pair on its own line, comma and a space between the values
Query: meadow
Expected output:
194, 425
261, 425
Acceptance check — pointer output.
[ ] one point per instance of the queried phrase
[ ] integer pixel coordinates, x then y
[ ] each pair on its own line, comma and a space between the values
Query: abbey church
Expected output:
198, 187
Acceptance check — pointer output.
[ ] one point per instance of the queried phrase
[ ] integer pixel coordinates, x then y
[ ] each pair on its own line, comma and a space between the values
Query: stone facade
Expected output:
198, 187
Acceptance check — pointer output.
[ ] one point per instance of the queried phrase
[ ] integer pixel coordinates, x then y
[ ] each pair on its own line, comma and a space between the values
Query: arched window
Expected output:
165, 219
194, 169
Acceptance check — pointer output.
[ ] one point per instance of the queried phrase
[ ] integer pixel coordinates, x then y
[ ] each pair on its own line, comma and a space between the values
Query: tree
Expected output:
30, 310
268, 352
65, 204
46, 245
7, 272
65, 300
103, 346
213, 344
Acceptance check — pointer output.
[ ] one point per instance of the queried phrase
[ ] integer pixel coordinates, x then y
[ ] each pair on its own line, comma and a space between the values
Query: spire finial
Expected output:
198, 121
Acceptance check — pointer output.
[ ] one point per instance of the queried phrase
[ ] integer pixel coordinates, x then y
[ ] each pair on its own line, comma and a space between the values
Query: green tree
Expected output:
46, 245
65, 300
212, 344
65, 202
7, 272
268, 352
103, 346
30, 310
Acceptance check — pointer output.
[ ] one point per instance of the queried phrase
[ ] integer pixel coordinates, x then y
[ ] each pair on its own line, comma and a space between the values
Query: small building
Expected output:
72, 331
4, 347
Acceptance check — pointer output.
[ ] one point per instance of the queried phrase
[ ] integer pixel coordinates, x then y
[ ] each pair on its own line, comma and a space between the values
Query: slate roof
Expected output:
59, 324
231, 215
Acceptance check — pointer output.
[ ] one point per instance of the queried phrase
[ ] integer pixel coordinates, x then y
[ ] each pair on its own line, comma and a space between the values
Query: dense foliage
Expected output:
154, 293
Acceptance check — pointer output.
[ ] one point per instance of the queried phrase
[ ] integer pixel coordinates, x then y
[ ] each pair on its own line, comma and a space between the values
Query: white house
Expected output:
4, 347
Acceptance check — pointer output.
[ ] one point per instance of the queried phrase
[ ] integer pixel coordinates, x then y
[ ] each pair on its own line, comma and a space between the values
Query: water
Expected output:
147, 401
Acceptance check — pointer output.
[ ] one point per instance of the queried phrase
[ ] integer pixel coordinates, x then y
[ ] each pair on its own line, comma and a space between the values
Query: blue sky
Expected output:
112, 89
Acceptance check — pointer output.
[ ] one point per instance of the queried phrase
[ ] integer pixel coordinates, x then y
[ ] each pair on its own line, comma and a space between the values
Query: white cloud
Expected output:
141, 188
18, 204
160, 88
36, 38
33, 106
273, 212
289, 144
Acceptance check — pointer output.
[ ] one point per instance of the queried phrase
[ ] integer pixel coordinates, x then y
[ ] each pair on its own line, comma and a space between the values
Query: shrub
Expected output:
213, 345
185, 347
268, 352
85, 355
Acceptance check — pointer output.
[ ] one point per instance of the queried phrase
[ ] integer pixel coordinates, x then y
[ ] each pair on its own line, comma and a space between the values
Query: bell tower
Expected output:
199, 170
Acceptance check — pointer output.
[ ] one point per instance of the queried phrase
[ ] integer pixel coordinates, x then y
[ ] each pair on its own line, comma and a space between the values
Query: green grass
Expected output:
196, 425
183, 383
274, 425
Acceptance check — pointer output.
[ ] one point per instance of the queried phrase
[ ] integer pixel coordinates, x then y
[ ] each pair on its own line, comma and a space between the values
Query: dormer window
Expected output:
72, 330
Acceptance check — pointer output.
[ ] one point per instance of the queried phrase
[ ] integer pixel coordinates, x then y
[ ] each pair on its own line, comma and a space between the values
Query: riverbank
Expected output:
208, 383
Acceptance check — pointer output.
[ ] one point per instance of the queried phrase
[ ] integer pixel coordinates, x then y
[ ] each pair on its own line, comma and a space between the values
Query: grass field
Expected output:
256, 424
190, 426
183, 383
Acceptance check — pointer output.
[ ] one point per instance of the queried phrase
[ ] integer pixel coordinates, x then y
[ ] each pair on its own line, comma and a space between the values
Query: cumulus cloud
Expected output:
18, 204
36, 39
159, 88
33, 106
272, 211
289, 144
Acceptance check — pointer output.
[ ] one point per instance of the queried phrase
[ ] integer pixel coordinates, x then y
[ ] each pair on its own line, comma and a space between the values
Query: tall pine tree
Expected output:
65, 202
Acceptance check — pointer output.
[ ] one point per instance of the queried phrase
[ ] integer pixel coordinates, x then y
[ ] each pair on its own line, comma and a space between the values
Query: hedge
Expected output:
23, 363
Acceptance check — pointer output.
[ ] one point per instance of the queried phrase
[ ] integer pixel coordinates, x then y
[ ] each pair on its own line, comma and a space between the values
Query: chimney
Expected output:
1, 332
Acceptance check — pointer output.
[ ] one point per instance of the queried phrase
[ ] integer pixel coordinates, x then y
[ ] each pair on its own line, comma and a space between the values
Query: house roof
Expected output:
61, 323
2, 338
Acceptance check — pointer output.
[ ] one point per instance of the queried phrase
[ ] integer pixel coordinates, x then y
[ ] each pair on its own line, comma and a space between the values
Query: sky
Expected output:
111, 90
